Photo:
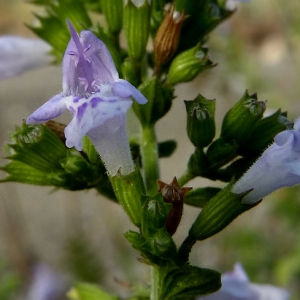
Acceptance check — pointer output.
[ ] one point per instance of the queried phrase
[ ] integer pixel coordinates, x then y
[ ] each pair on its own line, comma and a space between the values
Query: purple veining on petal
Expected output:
49, 110
72, 109
71, 52
76, 99
81, 110
94, 102
112, 100
87, 48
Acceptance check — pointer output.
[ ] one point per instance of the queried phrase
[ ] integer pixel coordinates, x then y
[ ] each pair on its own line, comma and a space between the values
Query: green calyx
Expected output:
220, 211
159, 96
129, 189
240, 120
188, 64
136, 27
200, 121
113, 12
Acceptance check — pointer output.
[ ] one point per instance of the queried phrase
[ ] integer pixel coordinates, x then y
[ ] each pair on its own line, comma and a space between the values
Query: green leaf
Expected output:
38, 156
20, 172
138, 242
84, 291
189, 281
166, 148
161, 244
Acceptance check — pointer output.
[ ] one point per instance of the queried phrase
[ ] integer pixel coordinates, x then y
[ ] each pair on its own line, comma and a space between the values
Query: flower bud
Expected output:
136, 27
240, 120
113, 12
200, 121
188, 64
167, 37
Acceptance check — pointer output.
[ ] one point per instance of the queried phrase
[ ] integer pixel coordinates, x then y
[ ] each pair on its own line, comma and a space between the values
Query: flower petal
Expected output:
103, 66
90, 115
18, 55
281, 160
50, 110
110, 140
124, 89
87, 64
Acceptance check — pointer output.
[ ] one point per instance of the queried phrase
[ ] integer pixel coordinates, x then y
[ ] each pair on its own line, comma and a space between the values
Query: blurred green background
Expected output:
79, 234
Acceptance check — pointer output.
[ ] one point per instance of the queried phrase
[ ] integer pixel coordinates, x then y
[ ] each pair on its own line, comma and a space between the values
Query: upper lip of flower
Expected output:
87, 64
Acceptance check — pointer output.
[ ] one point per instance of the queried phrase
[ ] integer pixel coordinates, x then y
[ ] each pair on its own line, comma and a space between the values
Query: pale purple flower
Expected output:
18, 54
236, 286
279, 166
46, 284
98, 100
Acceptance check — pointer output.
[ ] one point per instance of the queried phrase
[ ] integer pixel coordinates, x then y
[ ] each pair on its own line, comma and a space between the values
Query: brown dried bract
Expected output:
167, 37
174, 194
57, 128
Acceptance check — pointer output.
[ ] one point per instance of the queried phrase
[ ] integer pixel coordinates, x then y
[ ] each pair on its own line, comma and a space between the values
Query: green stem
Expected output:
155, 284
185, 249
186, 177
149, 155
150, 158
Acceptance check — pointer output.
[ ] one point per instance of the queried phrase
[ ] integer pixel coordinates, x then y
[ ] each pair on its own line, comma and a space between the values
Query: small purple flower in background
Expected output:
18, 55
98, 100
46, 284
236, 286
279, 166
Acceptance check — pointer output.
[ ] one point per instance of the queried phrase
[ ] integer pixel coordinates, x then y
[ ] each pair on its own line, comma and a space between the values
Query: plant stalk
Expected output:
149, 155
